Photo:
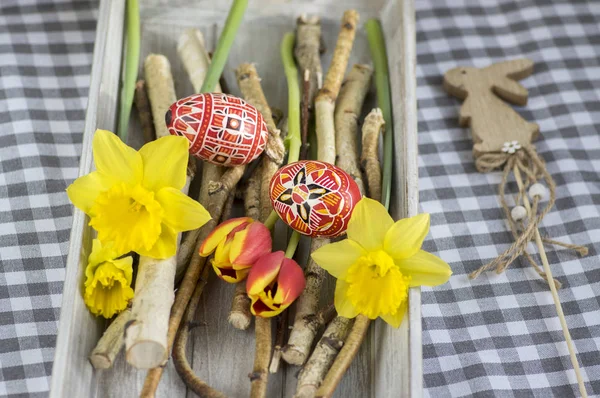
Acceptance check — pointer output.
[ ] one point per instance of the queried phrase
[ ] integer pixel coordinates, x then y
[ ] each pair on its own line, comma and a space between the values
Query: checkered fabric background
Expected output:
45, 58
495, 336
499, 335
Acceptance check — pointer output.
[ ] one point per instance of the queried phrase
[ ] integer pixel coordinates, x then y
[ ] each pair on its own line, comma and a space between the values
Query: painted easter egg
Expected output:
314, 198
222, 129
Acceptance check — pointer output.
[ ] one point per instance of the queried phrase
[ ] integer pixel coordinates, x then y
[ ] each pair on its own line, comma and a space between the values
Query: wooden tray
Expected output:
389, 363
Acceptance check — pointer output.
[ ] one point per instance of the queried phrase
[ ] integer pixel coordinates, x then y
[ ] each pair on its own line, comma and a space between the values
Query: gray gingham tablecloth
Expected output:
495, 336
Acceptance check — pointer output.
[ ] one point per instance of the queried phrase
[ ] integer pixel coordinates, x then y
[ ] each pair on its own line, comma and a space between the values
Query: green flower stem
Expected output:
384, 100
291, 73
292, 244
292, 139
130, 67
219, 58
273, 217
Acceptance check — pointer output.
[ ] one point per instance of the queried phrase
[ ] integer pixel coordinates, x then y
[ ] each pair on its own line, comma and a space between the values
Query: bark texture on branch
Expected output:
142, 103
345, 357
304, 331
161, 90
328, 347
347, 110
370, 158
327, 95
192, 52
260, 373
111, 342
307, 52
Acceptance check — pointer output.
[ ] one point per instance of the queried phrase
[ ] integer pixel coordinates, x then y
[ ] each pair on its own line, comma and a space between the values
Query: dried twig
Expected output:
192, 52
305, 114
282, 325
347, 111
304, 330
324, 354
180, 361
260, 373
345, 357
239, 315
161, 90
142, 103
111, 342
370, 159
327, 95
308, 42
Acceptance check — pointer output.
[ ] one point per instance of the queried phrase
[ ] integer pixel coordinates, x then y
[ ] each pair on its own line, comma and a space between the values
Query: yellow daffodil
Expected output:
107, 280
134, 199
378, 262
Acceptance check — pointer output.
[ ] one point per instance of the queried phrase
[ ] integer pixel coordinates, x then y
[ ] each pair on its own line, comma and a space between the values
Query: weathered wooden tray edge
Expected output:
401, 368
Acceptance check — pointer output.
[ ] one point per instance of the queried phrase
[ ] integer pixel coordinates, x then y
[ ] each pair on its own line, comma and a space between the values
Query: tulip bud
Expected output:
274, 282
237, 244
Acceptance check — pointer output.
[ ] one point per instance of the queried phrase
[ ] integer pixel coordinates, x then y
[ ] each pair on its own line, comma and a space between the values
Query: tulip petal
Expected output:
369, 223
249, 245
181, 212
342, 303
220, 232
165, 162
84, 190
165, 246
395, 320
337, 257
425, 269
290, 282
260, 308
406, 236
264, 272
115, 159
229, 275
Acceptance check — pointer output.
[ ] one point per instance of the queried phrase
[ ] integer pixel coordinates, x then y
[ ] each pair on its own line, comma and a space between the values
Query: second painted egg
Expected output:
314, 198
222, 129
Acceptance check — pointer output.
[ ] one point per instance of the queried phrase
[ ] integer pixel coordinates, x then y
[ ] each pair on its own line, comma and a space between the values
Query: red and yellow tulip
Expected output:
238, 243
273, 284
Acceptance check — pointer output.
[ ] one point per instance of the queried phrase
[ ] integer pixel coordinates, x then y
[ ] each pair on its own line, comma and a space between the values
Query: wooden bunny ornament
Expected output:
493, 123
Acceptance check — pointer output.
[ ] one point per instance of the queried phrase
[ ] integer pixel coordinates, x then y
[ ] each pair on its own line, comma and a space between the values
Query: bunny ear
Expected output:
503, 77
515, 69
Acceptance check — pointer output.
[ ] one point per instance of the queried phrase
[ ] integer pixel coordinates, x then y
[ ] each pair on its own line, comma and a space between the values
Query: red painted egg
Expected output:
222, 129
314, 198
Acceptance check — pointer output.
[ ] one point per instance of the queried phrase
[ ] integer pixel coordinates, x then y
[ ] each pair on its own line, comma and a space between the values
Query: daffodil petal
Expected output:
369, 223
406, 236
425, 269
125, 264
341, 301
84, 190
165, 246
165, 162
181, 212
115, 159
337, 257
220, 232
395, 320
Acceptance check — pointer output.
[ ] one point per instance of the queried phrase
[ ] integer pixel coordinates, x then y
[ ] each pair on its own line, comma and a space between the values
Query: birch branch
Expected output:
111, 342
370, 158
304, 331
347, 110
308, 41
142, 103
161, 90
328, 347
327, 95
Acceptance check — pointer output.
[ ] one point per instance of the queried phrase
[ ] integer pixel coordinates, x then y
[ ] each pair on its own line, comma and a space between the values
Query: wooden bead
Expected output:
538, 189
518, 213
222, 129
314, 198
